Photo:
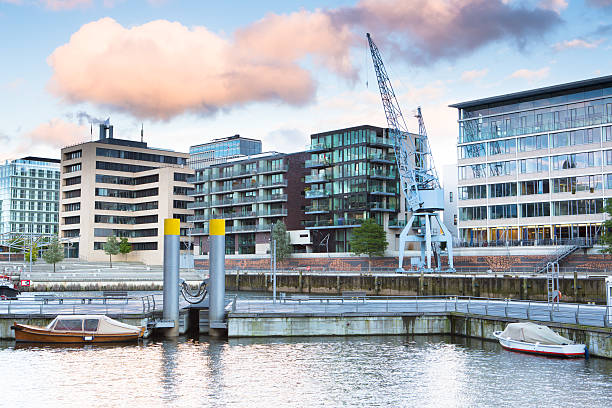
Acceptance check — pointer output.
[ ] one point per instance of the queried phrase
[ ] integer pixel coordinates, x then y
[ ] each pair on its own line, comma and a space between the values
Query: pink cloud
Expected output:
162, 69
57, 133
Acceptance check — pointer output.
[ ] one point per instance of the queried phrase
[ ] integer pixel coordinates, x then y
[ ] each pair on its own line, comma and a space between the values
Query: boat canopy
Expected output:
99, 324
533, 333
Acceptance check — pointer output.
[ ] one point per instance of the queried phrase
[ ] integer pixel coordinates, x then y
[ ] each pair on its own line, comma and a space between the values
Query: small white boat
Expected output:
537, 339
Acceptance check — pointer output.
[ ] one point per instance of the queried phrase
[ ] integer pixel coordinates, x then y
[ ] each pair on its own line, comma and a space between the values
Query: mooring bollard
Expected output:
172, 231
216, 310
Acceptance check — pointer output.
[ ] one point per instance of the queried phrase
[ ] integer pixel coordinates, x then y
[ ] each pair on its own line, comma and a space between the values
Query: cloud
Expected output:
603, 29
57, 133
162, 69
554, 5
576, 43
599, 3
286, 139
531, 75
474, 74
424, 32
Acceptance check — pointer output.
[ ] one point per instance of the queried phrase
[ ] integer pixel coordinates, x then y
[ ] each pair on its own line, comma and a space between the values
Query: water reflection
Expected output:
430, 371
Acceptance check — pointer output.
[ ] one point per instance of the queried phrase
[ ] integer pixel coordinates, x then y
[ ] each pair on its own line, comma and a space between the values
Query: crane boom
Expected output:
418, 178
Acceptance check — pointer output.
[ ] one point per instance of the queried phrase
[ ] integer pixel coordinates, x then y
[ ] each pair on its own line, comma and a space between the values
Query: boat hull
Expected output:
549, 350
32, 334
8, 292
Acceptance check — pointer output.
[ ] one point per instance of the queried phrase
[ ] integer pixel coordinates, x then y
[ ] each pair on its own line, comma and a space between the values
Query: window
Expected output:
502, 211
534, 187
473, 213
72, 181
73, 155
502, 190
530, 143
580, 183
450, 196
69, 325
128, 168
536, 165
72, 168
577, 160
578, 207
502, 147
504, 168
72, 207
91, 325
471, 172
72, 220
535, 210
472, 192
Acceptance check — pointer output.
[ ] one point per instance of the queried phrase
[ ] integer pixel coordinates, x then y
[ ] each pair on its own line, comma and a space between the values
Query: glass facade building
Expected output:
219, 150
535, 166
29, 194
353, 176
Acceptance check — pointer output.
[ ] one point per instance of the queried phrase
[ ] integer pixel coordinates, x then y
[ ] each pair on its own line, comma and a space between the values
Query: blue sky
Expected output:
191, 71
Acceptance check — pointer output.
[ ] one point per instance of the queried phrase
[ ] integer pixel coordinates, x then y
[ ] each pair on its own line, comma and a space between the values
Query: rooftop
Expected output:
594, 83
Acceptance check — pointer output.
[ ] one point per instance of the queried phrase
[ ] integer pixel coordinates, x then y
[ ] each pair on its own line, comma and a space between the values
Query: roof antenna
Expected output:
141, 132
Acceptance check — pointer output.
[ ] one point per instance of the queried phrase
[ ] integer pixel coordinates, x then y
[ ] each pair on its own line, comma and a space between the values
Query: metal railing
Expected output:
572, 313
53, 304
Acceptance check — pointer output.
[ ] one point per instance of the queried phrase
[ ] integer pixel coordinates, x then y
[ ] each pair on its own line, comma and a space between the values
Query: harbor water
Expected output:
427, 371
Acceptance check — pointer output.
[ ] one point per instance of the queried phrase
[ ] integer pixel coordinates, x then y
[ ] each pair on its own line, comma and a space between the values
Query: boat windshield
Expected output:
69, 325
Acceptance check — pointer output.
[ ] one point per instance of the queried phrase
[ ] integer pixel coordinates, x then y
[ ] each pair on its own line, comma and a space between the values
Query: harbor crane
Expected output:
418, 178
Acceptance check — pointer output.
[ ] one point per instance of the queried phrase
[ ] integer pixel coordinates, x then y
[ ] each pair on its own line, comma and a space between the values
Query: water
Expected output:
398, 371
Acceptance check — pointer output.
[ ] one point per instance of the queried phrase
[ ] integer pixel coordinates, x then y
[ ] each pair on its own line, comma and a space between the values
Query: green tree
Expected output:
54, 252
283, 242
369, 239
30, 249
111, 247
124, 246
606, 237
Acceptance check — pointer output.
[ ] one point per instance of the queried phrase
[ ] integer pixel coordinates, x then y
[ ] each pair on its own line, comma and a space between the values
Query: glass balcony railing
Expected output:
317, 163
198, 204
381, 174
397, 223
317, 193
318, 147
387, 158
316, 209
317, 178
376, 206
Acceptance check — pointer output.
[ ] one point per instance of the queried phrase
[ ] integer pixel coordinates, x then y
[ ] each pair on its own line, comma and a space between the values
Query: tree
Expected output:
30, 249
606, 237
283, 242
369, 239
111, 247
54, 252
124, 246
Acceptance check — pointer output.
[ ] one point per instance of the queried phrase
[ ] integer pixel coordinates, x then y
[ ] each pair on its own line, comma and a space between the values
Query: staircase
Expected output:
563, 252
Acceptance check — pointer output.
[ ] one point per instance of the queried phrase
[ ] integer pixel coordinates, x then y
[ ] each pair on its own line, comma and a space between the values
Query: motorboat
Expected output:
7, 288
78, 329
537, 339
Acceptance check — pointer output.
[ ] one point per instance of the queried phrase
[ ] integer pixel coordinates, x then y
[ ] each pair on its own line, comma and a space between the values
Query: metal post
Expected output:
172, 232
274, 272
216, 310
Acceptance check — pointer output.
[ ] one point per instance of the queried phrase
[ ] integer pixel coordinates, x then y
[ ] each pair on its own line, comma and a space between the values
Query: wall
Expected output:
573, 289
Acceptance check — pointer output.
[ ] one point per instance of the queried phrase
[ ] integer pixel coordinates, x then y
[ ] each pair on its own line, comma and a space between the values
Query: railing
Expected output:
317, 193
382, 157
316, 178
316, 208
381, 174
580, 242
53, 305
572, 313
317, 163
381, 207
317, 147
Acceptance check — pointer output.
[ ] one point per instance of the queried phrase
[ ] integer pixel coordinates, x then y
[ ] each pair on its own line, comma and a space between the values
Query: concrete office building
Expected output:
220, 150
353, 176
535, 166
251, 194
29, 196
122, 188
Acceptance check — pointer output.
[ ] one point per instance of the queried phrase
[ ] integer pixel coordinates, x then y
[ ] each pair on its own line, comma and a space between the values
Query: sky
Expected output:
192, 71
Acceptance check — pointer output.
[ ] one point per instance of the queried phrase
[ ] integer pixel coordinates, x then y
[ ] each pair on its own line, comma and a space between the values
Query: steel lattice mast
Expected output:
418, 177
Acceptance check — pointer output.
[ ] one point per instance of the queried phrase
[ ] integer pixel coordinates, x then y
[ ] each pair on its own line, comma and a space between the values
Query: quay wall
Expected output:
598, 340
573, 288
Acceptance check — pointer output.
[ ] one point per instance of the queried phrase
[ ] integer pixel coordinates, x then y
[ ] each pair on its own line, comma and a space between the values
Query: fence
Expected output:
573, 313
54, 305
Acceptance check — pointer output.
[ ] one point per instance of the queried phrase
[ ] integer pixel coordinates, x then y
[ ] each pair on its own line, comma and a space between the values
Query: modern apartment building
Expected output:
353, 176
535, 166
220, 150
122, 188
450, 216
251, 194
29, 196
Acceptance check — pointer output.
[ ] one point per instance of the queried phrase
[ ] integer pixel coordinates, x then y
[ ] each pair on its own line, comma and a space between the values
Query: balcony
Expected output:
234, 201
234, 187
328, 224
198, 178
382, 158
198, 192
375, 206
318, 147
272, 197
383, 191
198, 205
317, 194
380, 141
386, 175
273, 169
317, 178
317, 163
282, 212
316, 209
397, 224
197, 218
274, 184
228, 174
199, 231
